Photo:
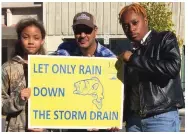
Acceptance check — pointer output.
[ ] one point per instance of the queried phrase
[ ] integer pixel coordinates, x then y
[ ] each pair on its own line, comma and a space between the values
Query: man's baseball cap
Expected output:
84, 18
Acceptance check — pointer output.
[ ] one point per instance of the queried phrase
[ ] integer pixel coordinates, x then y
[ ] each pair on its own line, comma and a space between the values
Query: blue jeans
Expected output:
165, 122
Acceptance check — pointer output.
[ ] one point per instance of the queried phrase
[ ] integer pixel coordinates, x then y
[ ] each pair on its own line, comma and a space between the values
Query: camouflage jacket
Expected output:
13, 107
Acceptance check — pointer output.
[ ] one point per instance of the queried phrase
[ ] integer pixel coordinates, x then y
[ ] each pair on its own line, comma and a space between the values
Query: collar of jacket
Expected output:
148, 39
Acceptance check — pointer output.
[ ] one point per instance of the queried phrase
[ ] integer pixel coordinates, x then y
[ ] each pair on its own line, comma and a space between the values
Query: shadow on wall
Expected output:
120, 45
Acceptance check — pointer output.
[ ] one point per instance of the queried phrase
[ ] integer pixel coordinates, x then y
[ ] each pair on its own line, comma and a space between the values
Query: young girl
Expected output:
15, 94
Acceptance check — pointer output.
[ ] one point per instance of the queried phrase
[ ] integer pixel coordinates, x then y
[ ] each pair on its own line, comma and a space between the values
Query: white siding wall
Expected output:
178, 17
59, 16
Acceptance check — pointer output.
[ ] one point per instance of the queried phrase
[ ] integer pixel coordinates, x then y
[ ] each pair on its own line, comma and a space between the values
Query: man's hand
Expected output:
93, 130
113, 129
89, 55
36, 129
25, 93
125, 56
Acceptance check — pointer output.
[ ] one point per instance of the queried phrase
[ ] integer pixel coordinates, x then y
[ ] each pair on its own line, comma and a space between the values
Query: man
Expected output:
153, 92
85, 44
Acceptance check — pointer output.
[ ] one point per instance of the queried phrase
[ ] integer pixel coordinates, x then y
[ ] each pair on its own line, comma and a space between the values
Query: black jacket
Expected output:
155, 67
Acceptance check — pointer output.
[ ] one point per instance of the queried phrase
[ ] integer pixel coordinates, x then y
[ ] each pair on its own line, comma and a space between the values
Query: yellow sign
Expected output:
74, 92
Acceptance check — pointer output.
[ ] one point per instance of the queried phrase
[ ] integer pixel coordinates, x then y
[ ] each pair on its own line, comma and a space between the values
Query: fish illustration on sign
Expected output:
91, 87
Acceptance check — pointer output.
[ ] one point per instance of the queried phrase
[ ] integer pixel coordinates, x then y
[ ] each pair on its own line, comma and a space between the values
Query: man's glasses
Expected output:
84, 29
